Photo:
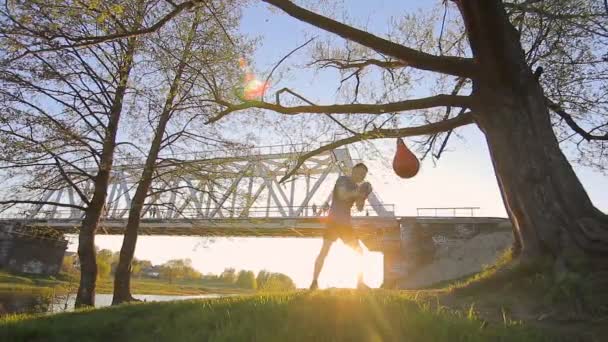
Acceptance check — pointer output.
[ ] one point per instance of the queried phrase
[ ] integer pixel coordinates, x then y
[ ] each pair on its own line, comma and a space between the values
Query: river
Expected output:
36, 303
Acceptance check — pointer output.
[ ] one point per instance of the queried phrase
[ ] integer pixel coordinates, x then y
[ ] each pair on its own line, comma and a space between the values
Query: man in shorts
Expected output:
348, 190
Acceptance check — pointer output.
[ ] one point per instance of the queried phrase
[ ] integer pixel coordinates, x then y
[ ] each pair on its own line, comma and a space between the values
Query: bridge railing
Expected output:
204, 213
447, 211
246, 151
190, 156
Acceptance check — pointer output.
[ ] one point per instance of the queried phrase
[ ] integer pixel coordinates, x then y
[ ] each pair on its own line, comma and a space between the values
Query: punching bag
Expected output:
405, 163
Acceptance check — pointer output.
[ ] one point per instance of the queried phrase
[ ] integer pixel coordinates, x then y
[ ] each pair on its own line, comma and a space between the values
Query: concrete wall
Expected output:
432, 250
28, 253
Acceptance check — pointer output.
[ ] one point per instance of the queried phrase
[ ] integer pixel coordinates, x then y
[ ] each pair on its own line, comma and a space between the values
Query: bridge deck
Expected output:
258, 227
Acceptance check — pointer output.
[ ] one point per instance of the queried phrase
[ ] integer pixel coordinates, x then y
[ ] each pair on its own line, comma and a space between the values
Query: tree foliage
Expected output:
246, 280
178, 269
273, 282
228, 276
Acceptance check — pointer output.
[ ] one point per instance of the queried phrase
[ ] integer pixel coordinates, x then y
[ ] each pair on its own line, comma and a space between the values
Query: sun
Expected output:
343, 265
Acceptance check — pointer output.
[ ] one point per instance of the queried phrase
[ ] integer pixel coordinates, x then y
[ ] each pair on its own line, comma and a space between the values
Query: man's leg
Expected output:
354, 244
319, 262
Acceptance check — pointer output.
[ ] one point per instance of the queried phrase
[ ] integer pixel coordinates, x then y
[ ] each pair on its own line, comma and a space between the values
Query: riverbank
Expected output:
331, 315
506, 302
67, 284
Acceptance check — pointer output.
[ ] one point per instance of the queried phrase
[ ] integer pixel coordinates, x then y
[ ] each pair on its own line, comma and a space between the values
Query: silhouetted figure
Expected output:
325, 208
346, 193
153, 211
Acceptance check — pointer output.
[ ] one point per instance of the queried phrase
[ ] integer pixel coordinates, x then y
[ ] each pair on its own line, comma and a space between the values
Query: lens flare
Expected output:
253, 88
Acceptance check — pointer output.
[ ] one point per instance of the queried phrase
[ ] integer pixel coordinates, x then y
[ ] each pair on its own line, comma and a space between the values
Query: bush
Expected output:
274, 282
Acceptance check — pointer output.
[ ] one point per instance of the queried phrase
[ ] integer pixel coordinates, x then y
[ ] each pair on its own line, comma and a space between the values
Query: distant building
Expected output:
151, 272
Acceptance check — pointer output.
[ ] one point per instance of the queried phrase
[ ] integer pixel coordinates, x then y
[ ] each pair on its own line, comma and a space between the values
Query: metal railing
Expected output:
446, 211
156, 212
228, 152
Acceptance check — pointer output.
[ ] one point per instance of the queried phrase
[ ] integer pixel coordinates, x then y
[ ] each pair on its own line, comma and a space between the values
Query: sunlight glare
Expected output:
343, 264
253, 88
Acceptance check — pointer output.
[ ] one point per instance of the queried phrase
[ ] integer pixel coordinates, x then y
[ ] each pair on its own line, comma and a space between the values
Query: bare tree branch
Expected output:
382, 133
287, 90
345, 64
81, 42
421, 103
281, 61
457, 66
67, 205
570, 121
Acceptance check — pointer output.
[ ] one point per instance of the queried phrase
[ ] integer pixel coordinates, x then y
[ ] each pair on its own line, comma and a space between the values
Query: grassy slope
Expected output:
484, 307
13, 283
335, 315
574, 306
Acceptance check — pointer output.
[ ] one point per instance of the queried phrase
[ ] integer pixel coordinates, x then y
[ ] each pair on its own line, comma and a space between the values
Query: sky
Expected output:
462, 178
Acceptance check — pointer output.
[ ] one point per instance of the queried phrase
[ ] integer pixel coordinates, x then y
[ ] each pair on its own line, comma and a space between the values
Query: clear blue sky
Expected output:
463, 177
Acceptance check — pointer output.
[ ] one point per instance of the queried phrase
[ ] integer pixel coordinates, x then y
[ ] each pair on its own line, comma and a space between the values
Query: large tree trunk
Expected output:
122, 278
86, 237
86, 245
551, 212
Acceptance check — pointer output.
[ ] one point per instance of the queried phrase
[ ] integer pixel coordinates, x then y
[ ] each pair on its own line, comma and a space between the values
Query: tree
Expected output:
122, 291
138, 266
246, 280
199, 49
273, 282
73, 140
83, 89
86, 289
262, 278
105, 259
68, 265
179, 269
167, 272
228, 276
552, 214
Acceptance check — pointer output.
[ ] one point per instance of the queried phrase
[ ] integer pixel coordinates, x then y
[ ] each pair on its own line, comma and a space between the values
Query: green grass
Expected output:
333, 315
30, 283
160, 287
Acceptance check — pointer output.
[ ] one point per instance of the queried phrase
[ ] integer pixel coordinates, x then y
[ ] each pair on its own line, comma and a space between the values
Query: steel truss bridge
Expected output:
237, 194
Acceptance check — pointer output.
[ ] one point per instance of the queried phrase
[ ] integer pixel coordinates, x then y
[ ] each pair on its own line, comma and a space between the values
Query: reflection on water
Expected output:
45, 303
17, 302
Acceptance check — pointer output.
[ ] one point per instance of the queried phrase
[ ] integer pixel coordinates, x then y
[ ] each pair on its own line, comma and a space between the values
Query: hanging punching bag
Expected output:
405, 163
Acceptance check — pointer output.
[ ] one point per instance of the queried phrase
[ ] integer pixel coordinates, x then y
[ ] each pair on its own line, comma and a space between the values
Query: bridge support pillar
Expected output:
425, 251
27, 250
394, 247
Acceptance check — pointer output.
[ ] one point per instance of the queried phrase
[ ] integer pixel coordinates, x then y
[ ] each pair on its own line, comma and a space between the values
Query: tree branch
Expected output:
421, 103
359, 64
433, 128
43, 203
281, 61
67, 178
81, 42
570, 121
457, 66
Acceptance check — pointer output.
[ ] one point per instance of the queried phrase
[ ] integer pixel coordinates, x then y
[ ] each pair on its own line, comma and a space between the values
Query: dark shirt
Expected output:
339, 212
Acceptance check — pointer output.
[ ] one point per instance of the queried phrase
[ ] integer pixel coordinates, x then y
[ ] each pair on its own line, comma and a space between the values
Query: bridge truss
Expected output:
245, 186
